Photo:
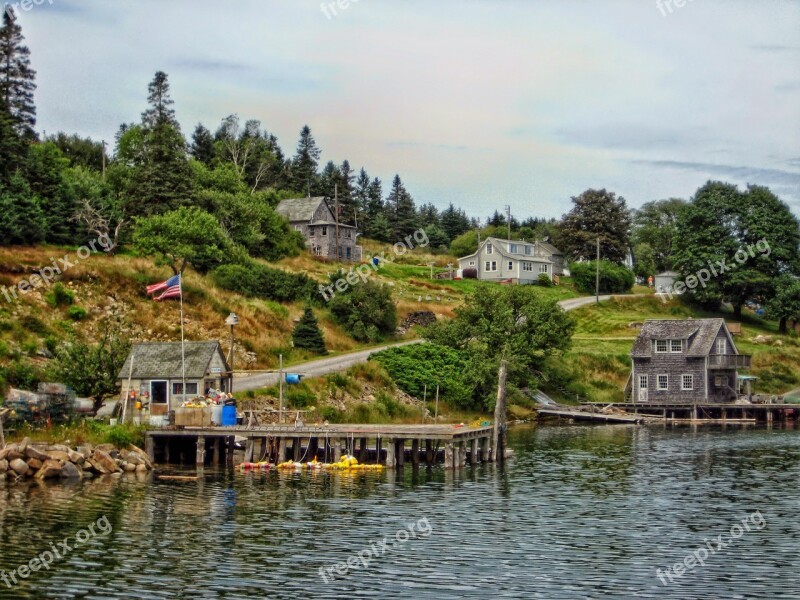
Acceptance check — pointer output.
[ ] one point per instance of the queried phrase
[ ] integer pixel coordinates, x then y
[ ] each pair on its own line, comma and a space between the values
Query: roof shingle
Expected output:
163, 359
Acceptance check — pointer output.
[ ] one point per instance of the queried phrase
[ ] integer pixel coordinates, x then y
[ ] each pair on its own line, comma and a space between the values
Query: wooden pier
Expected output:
390, 445
574, 413
712, 413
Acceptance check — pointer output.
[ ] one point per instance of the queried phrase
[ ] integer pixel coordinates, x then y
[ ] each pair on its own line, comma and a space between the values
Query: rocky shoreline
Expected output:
34, 460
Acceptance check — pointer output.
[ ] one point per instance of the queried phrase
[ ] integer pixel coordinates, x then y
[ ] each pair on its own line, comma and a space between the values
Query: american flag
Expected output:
171, 287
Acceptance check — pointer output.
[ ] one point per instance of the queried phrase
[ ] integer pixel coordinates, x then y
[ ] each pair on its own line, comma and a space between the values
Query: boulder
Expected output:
51, 468
33, 452
135, 459
3, 465
128, 467
141, 468
102, 459
5, 452
19, 466
23, 445
70, 471
86, 450
87, 475
59, 455
58, 448
108, 449
143, 455
14, 455
76, 457
35, 463
96, 466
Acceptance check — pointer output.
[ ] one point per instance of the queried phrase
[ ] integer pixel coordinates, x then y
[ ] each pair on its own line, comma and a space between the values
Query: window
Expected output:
676, 345
687, 382
349, 252
722, 346
491, 266
721, 381
528, 250
543, 269
310, 231
661, 345
489, 249
324, 230
472, 263
347, 233
513, 248
663, 382
527, 266
191, 388
511, 265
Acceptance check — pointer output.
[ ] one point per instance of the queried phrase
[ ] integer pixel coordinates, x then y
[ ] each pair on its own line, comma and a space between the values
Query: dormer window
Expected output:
661, 346
513, 248
528, 250
676, 345
489, 249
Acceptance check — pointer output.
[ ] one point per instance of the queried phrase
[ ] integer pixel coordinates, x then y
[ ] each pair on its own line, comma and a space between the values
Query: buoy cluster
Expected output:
346, 463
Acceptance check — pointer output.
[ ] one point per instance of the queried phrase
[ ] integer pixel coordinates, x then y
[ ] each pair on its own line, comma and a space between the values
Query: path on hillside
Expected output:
323, 366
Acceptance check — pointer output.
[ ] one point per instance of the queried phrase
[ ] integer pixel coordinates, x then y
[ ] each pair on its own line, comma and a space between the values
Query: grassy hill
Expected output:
598, 365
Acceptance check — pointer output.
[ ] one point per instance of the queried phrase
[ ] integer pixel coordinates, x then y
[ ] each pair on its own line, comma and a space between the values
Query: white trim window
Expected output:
543, 268
662, 383
472, 263
687, 382
661, 346
722, 346
490, 266
489, 249
325, 230
527, 266
528, 250
511, 265
676, 346
513, 248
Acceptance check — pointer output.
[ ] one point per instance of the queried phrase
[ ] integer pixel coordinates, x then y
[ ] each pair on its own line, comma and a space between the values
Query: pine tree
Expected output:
361, 198
307, 334
400, 209
379, 228
45, 174
304, 165
202, 147
161, 179
454, 221
347, 202
16, 77
21, 218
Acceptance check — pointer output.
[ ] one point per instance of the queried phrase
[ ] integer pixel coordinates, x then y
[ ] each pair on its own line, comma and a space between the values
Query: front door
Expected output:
158, 394
642, 388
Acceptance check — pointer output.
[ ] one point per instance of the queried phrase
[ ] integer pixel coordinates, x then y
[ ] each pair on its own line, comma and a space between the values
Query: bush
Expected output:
614, 278
126, 435
365, 310
76, 313
544, 280
33, 324
256, 280
59, 296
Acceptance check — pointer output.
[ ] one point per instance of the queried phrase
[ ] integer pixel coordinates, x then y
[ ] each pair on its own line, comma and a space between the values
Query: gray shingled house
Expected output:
314, 218
690, 360
518, 261
156, 373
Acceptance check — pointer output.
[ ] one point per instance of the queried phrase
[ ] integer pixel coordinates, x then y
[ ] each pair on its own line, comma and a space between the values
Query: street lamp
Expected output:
232, 321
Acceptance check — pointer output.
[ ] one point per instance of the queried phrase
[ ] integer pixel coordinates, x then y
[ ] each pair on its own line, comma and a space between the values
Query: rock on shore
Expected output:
50, 461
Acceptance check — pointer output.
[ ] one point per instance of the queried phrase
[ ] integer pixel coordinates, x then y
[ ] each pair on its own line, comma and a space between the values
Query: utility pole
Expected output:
280, 389
336, 218
500, 426
597, 274
508, 218
436, 410
104, 160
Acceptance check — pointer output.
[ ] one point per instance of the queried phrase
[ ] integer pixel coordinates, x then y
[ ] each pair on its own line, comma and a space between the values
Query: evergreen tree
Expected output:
347, 192
161, 179
12, 149
454, 221
81, 152
16, 77
429, 215
21, 218
202, 147
46, 168
401, 212
596, 214
307, 334
361, 199
379, 228
304, 165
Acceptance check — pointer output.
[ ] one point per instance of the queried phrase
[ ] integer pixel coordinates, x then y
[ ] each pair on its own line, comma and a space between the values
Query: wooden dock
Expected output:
390, 445
587, 415
710, 413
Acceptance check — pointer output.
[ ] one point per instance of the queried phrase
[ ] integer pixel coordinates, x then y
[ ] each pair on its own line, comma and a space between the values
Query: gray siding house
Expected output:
685, 361
517, 261
314, 218
156, 373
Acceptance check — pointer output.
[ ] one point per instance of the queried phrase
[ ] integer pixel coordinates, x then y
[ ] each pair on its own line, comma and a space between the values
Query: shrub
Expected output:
126, 435
76, 313
365, 310
59, 296
544, 280
256, 280
33, 324
614, 278
307, 334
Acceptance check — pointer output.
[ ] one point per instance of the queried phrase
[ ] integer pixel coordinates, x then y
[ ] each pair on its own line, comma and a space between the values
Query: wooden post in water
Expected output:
473, 459
485, 457
231, 449
415, 453
390, 448
215, 452
248, 450
499, 431
337, 449
449, 458
429, 451
296, 443
149, 443
201, 451
400, 453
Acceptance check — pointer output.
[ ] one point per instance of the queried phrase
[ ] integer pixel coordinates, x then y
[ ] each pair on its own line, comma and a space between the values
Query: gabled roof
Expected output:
699, 333
152, 360
299, 209
499, 246
547, 247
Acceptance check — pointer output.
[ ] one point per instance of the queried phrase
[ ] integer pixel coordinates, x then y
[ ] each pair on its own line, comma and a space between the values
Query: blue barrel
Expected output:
293, 379
228, 416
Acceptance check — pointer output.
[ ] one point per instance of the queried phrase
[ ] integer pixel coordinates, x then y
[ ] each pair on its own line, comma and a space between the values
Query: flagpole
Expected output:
183, 346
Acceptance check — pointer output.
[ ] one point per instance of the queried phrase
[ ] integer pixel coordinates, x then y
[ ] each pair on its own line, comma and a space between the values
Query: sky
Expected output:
482, 103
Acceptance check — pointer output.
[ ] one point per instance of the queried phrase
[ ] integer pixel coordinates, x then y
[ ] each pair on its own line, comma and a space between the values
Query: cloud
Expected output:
199, 64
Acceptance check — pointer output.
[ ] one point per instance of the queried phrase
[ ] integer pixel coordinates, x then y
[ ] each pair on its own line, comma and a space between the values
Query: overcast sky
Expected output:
477, 102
